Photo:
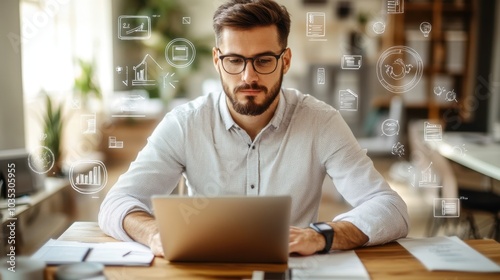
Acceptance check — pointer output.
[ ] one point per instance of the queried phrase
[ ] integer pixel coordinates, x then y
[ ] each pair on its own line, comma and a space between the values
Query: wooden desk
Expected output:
389, 261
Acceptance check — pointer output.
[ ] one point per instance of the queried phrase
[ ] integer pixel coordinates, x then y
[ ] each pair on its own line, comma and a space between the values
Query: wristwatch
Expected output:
327, 231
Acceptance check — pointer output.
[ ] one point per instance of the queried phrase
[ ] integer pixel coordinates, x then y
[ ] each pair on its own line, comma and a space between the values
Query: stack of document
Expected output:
56, 252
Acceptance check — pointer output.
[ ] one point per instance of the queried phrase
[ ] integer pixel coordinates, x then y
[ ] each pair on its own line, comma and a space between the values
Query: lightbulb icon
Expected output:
425, 27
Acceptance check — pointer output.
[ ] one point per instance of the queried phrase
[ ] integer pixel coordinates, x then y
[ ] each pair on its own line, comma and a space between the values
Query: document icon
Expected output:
432, 132
348, 100
395, 6
315, 24
446, 207
351, 62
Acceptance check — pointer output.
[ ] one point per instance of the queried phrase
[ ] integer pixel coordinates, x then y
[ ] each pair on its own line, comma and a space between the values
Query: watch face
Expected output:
324, 226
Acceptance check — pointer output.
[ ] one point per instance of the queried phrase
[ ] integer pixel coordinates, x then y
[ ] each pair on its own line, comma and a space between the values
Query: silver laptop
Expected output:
249, 229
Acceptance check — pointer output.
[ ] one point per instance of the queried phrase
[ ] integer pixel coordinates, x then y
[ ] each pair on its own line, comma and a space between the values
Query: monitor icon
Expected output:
180, 53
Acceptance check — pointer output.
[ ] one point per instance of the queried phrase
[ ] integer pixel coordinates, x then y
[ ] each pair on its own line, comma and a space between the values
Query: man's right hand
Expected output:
141, 227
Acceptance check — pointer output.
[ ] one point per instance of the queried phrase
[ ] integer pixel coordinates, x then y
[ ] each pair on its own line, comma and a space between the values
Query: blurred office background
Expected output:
107, 72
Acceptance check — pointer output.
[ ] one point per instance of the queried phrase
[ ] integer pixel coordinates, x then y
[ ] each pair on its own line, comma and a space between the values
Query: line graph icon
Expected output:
134, 27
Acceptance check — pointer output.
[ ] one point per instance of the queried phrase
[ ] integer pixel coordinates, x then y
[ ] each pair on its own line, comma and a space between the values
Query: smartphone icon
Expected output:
321, 76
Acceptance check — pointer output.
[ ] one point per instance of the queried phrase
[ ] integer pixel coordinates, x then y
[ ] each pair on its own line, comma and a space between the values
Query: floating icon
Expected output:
130, 103
451, 96
348, 100
169, 79
425, 28
141, 72
351, 62
134, 27
432, 132
186, 20
321, 76
459, 150
119, 70
113, 144
395, 6
41, 159
390, 127
438, 90
378, 27
315, 24
88, 176
76, 103
180, 53
446, 207
398, 149
399, 69
88, 123
428, 179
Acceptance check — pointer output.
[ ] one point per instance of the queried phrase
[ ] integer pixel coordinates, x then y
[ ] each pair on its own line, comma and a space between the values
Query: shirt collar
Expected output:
229, 122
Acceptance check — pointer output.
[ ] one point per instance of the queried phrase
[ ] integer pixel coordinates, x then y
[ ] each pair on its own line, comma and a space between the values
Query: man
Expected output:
257, 139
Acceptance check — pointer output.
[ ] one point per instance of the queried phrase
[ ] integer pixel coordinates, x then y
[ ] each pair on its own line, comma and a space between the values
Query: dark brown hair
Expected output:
247, 14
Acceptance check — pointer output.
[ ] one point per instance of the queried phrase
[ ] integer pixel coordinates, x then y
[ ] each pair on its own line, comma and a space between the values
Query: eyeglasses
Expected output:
263, 64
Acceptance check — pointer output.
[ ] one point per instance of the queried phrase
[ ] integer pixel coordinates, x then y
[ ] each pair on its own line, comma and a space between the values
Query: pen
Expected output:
87, 254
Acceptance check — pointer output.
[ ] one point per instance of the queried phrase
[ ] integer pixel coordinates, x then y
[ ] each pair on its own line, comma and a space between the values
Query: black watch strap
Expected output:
327, 231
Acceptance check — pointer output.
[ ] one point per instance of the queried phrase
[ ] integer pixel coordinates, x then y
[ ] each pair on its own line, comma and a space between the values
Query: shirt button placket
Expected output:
253, 170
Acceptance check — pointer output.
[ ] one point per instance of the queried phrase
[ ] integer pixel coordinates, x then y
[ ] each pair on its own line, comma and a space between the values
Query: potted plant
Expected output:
85, 85
53, 124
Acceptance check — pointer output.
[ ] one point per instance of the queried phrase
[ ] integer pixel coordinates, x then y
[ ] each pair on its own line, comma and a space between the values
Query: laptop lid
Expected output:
249, 229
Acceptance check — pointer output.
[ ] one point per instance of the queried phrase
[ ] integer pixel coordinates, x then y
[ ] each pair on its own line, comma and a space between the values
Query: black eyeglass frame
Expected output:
276, 56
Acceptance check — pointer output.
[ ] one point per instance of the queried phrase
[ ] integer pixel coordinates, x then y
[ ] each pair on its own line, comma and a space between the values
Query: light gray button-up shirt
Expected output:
305, 140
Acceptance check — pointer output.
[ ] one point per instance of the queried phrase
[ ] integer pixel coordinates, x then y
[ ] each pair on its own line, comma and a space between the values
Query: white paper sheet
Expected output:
335, 265
448, 253
107, 253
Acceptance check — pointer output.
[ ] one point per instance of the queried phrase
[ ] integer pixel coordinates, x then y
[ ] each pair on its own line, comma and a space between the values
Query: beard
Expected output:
250, 107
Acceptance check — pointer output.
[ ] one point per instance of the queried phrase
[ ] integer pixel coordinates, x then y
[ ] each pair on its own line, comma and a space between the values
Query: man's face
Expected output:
249, 92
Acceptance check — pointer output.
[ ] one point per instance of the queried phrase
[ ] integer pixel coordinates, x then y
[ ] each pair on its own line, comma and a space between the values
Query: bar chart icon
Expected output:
88, 176
92, 178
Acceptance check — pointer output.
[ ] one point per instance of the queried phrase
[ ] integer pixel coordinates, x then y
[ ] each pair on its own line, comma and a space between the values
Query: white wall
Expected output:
11, 91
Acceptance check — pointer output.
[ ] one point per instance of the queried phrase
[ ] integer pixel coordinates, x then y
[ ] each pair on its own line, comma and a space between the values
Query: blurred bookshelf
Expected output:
448, 53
